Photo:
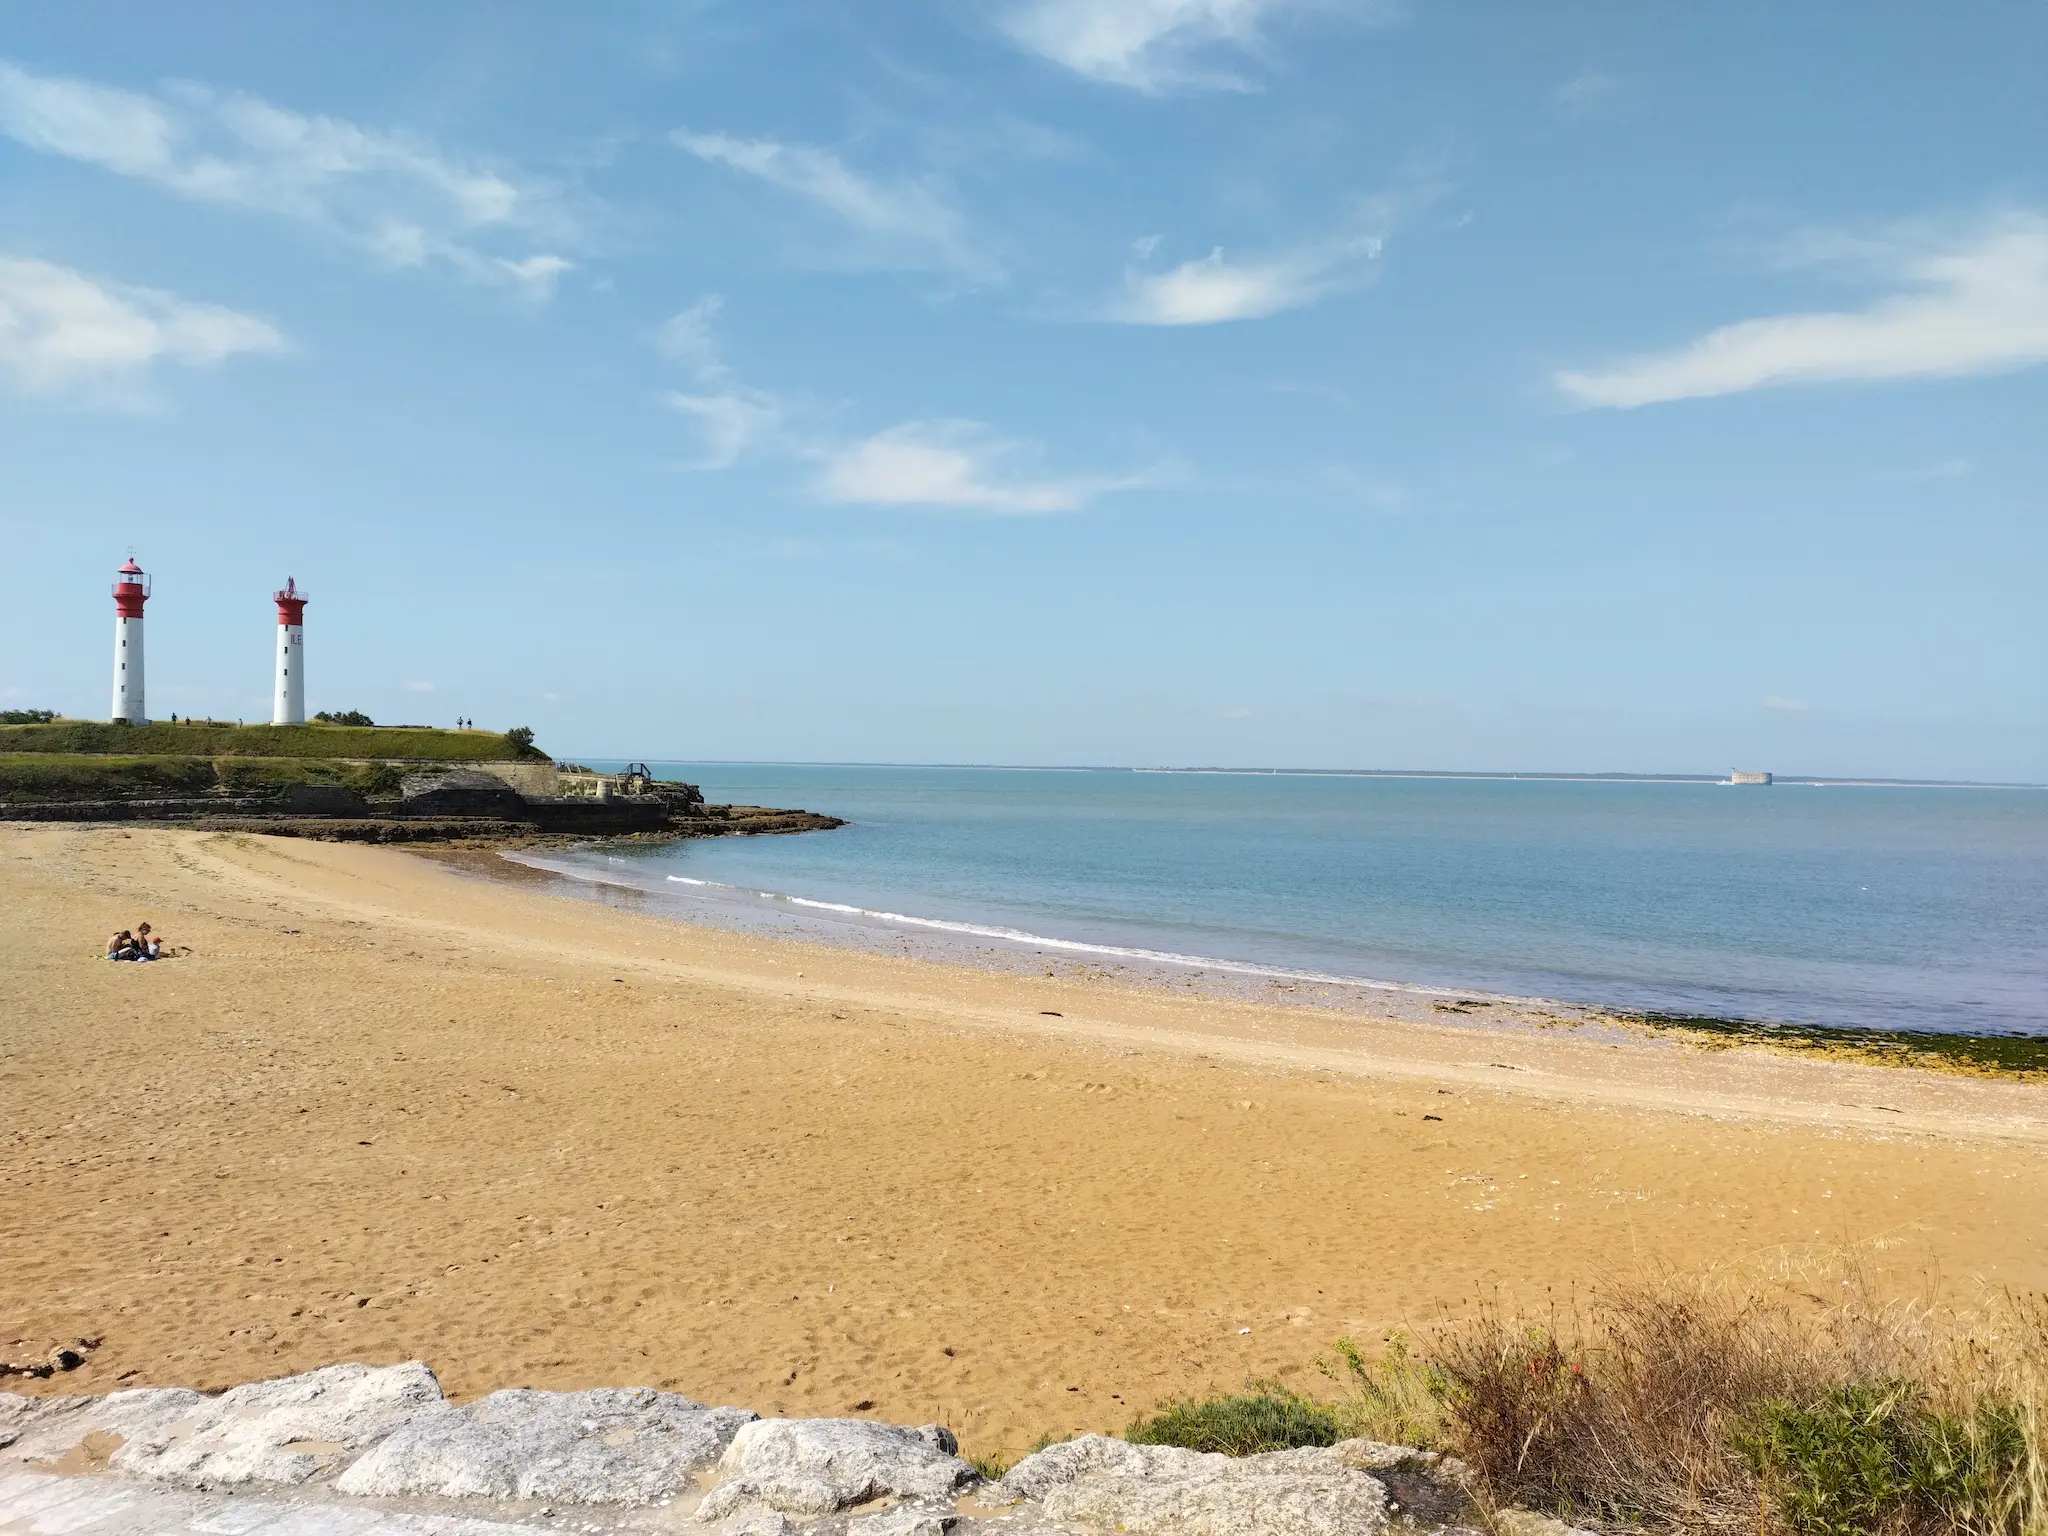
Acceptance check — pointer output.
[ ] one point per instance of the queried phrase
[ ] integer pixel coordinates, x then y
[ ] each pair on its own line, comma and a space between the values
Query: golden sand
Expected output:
384, 1109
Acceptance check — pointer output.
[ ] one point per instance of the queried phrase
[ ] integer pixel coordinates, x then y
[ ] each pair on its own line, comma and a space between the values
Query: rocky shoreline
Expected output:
369, 1449
507, 820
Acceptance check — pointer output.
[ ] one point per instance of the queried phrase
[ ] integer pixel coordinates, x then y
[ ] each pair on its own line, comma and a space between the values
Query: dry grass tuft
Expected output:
1726, 1403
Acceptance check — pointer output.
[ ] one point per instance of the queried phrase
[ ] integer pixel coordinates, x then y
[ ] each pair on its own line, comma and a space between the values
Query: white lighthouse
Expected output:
288, 700
131, 591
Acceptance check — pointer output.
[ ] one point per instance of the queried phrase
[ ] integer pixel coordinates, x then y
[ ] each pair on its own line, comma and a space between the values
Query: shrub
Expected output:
1266, 1417
1872, 1456
345, 717
519, 741
1713, 1405
1398, 1398
27, 716
991, 1466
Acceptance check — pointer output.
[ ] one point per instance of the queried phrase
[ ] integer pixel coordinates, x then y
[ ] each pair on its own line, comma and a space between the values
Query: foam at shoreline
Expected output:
1003, 949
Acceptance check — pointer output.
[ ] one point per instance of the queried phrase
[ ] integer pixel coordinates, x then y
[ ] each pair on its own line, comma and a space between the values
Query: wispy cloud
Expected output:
391, 193
733, 416
1216, 289
959, 464
1969, 305
65, 334
1159, 45
1779, 705
950, 464
904, 222
1588, 92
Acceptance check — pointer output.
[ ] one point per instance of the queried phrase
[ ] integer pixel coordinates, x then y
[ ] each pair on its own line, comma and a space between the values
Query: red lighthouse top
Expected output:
291, 603
131, 589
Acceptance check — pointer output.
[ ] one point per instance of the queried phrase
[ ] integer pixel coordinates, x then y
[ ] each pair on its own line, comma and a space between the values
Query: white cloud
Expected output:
733, 422
390, 193
63, 333
904, 222
687, 336
1214, 289
948, 464
920, 463
1783, 706
1948, 469
417, 687
1974, 305
1156, 45
1587, 92
733, 416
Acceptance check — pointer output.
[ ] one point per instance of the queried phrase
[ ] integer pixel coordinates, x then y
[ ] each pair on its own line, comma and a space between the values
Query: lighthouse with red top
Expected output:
288, 700
131, 591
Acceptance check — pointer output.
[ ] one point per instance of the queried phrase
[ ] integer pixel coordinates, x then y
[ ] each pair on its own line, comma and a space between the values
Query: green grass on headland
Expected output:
41, 778
2023, 1056
194, 738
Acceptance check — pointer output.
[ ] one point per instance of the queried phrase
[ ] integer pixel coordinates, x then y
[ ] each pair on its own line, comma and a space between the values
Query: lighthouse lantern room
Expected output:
288, 700
131, 591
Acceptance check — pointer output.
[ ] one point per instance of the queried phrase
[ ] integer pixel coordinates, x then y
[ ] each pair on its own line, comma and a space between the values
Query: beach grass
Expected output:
1794, 1405
1981, 1055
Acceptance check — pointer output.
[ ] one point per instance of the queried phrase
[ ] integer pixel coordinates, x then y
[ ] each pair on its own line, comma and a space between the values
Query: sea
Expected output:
1849, 906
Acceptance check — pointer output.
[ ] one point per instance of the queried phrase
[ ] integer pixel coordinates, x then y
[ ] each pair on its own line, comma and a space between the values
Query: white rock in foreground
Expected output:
610, 1445
1113, 1485
821, 1466
82, 1433
906, 1522
281, 1431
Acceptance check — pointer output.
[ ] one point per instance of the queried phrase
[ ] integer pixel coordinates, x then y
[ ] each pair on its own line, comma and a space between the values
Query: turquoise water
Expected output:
1915, 908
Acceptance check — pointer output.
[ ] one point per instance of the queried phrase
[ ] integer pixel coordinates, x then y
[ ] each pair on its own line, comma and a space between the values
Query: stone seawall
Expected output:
373, 1449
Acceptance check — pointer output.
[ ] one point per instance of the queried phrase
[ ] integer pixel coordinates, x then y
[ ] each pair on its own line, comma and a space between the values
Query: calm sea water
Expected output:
1918, 908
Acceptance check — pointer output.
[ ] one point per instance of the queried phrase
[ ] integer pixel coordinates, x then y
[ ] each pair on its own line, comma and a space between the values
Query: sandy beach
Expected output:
385, 1108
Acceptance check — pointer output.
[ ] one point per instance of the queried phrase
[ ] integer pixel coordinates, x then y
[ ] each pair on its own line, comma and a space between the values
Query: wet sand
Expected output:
387, 1109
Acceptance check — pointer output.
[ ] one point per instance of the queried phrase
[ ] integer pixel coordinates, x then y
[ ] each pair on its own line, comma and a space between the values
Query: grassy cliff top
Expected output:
187, 738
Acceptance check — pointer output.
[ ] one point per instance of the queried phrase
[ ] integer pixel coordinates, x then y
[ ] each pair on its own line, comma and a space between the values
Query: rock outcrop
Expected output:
282, 1431
610, 1445
821, 1466
1100, 1483
362, 1445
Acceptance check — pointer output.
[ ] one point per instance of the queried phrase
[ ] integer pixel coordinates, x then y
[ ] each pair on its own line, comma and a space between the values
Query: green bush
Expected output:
1872, 1456
27, 716
345, 717
1267, 1417
1399, 1398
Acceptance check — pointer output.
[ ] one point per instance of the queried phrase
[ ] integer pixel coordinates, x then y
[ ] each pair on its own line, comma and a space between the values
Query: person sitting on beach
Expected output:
121, 946
147, 947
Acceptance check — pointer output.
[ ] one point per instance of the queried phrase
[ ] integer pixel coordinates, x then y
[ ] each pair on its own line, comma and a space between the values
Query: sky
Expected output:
1328, 383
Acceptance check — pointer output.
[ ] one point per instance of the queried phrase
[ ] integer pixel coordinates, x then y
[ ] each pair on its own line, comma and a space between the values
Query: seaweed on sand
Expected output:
1981, 1055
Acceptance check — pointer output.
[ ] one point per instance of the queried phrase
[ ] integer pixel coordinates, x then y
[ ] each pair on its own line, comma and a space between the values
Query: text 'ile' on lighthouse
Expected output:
288, 700
131, 591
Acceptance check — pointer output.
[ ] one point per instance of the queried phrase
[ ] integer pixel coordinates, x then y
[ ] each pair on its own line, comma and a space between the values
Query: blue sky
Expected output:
1584, 386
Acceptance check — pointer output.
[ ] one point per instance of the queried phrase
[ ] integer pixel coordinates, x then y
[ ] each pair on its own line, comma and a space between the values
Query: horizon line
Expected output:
1843, 781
